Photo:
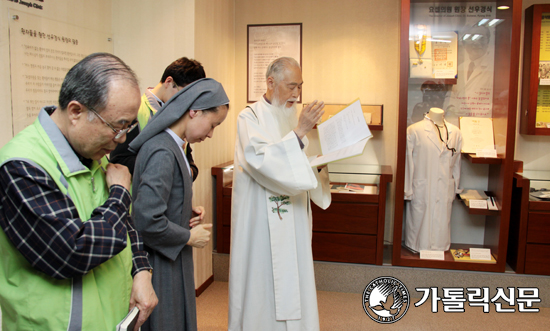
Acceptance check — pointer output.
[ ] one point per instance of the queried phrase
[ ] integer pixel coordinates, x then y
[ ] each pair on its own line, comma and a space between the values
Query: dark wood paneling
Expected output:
226, 243
538, 230
344, 248
343, 217
226, 215
537, 259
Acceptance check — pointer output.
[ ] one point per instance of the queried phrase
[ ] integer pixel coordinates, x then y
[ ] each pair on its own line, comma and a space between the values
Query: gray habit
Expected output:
162, 189
162, 194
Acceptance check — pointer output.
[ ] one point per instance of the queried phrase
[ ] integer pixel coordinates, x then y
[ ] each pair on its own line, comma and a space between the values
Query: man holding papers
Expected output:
271, 281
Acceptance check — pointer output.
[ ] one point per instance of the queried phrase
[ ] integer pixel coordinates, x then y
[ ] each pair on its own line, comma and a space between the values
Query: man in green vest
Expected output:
70, 258
176, 76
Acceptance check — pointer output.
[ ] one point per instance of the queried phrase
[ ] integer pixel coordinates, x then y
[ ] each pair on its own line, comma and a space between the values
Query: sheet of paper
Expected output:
421, 70
478, 204
492, 153
344, 129
432, 255
477, 133
353, 150
444, 54
480, 254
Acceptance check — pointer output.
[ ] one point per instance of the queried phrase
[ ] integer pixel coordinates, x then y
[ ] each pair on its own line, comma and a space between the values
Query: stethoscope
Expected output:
453, 150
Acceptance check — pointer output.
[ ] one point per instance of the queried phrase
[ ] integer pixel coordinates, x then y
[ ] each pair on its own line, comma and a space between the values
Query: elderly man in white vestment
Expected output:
271, 281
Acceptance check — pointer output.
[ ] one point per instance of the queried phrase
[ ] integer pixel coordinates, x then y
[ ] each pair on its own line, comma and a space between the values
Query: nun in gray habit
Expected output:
162, 194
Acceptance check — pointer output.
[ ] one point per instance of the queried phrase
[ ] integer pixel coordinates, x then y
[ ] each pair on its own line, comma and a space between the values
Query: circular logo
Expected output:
386, 300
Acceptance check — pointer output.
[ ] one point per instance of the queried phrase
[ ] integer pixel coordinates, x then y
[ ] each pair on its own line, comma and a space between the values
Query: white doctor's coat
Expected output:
432, 176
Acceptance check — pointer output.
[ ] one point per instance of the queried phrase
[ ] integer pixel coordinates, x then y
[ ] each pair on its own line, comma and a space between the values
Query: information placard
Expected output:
41, 53
266, 43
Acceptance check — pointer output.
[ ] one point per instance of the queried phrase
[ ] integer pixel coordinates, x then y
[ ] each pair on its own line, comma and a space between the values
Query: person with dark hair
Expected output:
70, 258
162, 197
433, 95
176, 76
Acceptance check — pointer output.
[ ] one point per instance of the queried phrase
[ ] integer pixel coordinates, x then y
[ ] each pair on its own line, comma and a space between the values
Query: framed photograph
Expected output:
267, 42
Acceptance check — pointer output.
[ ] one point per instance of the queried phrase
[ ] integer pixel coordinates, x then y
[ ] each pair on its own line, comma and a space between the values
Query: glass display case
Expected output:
458, 59
350, 230
374, 114
535, 96
529, 239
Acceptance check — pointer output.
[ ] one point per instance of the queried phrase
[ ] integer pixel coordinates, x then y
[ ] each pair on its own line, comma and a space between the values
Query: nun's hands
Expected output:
200, 235
198, 216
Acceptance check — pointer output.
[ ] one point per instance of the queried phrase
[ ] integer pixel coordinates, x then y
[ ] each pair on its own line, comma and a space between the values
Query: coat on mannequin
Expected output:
432, 176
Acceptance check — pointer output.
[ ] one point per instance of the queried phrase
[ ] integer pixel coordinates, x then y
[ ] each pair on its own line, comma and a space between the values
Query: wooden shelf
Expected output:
376, 112
474, 211
483, 160
446, 81
412, 259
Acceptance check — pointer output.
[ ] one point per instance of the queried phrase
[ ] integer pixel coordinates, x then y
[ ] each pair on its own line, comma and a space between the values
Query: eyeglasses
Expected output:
119, 133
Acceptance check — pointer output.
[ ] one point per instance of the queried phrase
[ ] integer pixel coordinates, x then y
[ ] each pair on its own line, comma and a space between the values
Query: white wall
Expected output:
149, 35
350, 49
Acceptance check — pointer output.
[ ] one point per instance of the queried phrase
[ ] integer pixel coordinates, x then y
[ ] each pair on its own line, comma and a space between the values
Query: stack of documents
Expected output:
468, 195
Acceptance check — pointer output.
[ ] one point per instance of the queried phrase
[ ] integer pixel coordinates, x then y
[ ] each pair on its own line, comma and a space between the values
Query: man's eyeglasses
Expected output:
119, 133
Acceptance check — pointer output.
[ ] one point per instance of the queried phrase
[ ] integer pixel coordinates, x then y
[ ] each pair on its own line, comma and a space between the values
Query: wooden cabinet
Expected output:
223, 178
497, 99
350, 230
529, 242
536, 71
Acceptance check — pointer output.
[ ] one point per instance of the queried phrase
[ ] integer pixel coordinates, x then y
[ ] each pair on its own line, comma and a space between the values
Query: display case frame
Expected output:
358, 239
375, 112
529, 240
500, 171
530, 80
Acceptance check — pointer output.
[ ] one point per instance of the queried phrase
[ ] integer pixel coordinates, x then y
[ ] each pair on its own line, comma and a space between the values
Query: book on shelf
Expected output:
354, 188
129, 322
343, 135
468, 195
463, 255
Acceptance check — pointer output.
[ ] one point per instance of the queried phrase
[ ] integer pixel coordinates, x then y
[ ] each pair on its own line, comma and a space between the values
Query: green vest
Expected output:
32, 300
144, 112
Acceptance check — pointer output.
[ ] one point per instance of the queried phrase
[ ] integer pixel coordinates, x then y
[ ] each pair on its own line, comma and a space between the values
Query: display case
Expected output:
535, 95
529, 241
350, 230
483, 37
374, 114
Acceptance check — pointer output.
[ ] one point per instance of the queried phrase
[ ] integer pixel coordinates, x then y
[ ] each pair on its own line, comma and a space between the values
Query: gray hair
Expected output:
277, 68
88, 82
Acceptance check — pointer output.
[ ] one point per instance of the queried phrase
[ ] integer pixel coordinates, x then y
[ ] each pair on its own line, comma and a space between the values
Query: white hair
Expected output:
277, 68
